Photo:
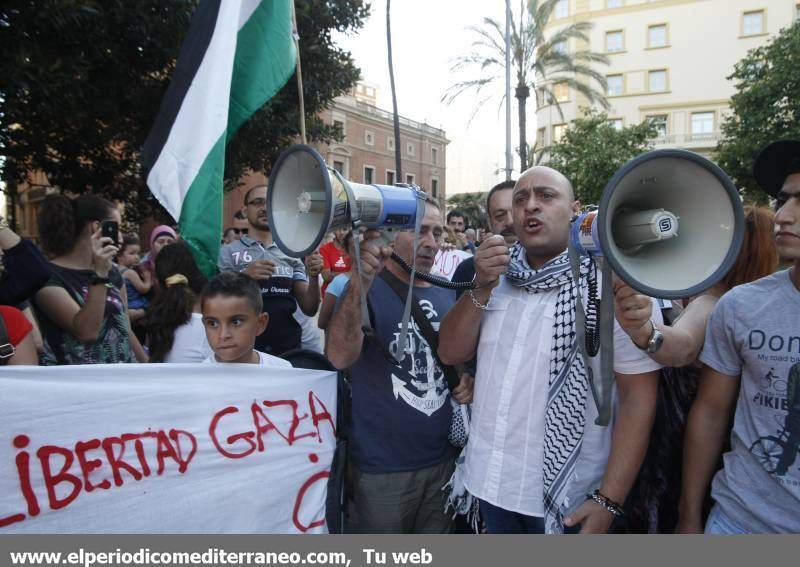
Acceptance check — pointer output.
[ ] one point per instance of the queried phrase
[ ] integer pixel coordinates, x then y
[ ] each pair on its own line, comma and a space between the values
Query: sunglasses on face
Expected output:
239, 230
260, 202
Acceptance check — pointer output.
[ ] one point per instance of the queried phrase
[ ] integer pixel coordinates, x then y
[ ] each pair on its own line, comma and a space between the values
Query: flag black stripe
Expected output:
193, 50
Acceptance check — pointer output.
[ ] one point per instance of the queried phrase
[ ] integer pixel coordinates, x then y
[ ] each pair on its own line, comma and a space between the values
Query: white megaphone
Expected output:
670, 223
306, 199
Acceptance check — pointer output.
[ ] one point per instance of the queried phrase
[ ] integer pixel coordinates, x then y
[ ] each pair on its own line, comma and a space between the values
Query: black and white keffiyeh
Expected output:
565, 414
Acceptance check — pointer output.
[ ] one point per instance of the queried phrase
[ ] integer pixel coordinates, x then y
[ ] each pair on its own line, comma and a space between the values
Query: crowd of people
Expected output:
480, 410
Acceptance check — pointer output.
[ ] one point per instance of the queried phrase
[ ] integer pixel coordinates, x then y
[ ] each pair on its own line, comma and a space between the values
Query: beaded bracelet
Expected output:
604, 501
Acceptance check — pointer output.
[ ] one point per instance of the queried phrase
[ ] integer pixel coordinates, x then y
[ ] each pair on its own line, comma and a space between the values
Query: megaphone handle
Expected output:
606, 345
365, 322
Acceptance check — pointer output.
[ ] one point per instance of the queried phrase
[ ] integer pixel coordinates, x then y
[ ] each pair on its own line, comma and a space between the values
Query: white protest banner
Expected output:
446, 262
165, 448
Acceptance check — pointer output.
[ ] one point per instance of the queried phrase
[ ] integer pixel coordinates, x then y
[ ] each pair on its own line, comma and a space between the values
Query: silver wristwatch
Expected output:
656, 339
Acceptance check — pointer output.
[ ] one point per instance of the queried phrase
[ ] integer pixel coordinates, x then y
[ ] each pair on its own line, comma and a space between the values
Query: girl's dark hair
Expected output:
173, 304
129, 239
62, 219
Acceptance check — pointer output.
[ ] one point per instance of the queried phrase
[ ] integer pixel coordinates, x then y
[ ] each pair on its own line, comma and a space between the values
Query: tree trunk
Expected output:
398, 176
522, 92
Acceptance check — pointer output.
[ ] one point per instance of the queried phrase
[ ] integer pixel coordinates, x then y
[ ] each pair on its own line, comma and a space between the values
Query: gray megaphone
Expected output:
306, 199
670, 223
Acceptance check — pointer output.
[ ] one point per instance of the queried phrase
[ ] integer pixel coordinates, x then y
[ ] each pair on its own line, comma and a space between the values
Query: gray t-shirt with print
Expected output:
754, 332
283, 331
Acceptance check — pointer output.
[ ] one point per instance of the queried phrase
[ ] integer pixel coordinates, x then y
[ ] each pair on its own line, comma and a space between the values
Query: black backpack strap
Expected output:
424, 326
7, 350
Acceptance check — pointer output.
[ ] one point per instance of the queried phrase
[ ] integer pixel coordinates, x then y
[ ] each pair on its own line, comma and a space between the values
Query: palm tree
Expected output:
539, 62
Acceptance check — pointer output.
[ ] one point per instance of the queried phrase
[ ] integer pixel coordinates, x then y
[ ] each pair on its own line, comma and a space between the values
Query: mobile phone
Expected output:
110, 229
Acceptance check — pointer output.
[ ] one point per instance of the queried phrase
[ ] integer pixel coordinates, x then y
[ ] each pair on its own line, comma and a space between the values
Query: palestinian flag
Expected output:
236, 56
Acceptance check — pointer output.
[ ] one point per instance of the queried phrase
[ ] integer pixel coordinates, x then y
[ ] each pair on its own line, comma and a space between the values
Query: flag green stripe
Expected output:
265, 59
201, 213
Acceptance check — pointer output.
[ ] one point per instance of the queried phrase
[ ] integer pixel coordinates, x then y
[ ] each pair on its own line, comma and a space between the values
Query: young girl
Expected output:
137, 286
174, 324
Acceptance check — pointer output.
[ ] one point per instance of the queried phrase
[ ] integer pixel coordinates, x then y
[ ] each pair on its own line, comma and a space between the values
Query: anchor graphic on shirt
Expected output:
430, 401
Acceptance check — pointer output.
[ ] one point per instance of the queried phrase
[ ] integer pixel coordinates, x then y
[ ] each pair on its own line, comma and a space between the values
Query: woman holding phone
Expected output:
82, 309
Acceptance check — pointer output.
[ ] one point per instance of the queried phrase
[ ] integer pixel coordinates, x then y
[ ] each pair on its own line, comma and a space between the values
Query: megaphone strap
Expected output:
402, 340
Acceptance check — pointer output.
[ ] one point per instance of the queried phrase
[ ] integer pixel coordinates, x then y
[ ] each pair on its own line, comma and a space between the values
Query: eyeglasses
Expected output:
260, 202
239, 230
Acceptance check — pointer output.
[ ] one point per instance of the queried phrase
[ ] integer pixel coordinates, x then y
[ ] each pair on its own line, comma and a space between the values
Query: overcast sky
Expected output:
426, 36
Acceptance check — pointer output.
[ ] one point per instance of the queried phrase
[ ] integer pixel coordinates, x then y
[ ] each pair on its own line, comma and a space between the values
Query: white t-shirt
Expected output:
264, 359
505, 453
190, 344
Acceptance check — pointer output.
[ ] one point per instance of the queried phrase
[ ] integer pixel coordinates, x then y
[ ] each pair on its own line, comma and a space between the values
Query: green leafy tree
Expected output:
473, 205
765, 108
81, 82
539, 63
592, 150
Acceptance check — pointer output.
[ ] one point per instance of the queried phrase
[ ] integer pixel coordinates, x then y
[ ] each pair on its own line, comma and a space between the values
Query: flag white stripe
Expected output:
190, 140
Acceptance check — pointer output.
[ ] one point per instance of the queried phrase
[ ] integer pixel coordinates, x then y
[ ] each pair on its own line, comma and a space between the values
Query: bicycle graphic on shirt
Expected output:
776, 453
773, 382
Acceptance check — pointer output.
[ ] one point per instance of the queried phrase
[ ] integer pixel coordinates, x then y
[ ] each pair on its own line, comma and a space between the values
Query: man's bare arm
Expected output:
706, 429
637, 409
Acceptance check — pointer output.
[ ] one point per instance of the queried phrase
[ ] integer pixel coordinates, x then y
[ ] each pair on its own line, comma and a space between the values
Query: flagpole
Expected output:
296, 36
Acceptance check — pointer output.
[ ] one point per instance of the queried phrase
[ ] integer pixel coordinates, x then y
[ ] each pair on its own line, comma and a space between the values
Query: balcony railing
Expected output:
688, 139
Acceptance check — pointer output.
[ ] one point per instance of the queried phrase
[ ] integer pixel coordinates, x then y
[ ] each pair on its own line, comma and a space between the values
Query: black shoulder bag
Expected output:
7, 350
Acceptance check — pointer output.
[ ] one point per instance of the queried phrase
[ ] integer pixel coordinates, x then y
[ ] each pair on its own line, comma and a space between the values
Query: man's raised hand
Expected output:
373, 256
491, 260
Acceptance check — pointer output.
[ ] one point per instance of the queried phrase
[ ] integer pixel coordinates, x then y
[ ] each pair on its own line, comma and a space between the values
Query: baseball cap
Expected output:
775, 163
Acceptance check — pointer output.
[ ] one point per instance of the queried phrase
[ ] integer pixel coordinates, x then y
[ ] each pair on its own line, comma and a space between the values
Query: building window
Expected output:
434, 188
753, 23
657, 81
561, 92
614, 85
338, 166
542, 132
411, 149
657, 36
410, 178
339, 125
369, 174
616, 124
558, 132
702, 125
390, 143
561, 9
390, 177
369, 138
796, 12
561, 47
660, 122
615, 41
614, 3
434, 156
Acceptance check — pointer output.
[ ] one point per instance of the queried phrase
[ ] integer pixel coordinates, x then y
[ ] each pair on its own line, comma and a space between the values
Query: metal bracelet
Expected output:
478, 304
604, 501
